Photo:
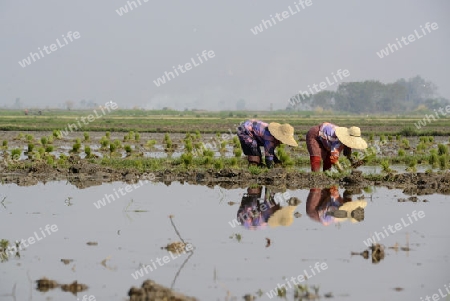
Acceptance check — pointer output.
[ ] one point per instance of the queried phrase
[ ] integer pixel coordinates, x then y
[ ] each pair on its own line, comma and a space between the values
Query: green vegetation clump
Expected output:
187, 159
405, 143
5, 144
401, 152
442, 149
443, 162
30, 147
49, 148
15, 153
150, 143
433, 160
128, 149
188, 145
137, 137
57, 134
87, 151
385, 166
86, 136
76, 147
237, 152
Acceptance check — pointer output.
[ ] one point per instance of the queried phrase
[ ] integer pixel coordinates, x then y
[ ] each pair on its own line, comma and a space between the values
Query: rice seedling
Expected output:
50, 160
137, 137
150, 143
198, 136
443, 162
412, 166
118, 144
19, 136
50, 139
41, 151
29, 137
86, 136
401, 152
382, 138
57, 134
421, 147
77, 140
15, 153
188, 145
187, 159
112, 147
405, 143
442, 149
208, 160
385, 166
371, 137
237, 152
390, 138
128, 149
254, 170
433, 160
30, 147
49, 148
104, 143
87, 151
234, 162
223, 146
236, 142
398, 137
208, 153
5, 144
169, 144
76, 147
431, 139
108, 135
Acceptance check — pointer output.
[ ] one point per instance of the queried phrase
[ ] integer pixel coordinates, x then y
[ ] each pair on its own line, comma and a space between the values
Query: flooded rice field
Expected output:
213, 243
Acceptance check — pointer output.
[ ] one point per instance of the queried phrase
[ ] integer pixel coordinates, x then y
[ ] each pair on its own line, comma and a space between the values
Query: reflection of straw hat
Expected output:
282, 217
349, 207
283, 132
351, 137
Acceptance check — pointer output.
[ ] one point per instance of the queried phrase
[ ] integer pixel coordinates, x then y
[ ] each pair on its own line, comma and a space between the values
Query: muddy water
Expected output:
131, 230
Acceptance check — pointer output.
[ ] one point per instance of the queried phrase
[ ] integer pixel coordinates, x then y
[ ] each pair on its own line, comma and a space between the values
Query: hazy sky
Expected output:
118, 57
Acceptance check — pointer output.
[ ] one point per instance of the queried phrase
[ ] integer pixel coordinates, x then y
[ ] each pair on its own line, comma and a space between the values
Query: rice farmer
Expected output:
255, 133
254, 211
326, 141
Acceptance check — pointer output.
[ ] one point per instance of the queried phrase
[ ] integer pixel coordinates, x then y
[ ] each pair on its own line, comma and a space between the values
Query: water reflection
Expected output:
258, 211
327, 206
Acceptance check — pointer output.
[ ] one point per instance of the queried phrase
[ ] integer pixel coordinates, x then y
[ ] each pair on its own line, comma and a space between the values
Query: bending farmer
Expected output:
255, 133
326, 141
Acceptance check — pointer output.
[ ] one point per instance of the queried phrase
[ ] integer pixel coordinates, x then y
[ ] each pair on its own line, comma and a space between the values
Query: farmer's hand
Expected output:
334, 157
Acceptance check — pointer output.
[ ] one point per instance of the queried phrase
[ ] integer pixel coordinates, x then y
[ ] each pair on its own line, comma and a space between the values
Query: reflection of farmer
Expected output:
327, 206
256, 212
254, 133
326, 141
